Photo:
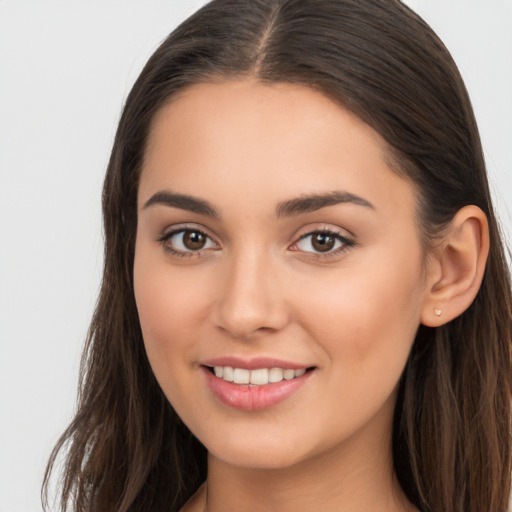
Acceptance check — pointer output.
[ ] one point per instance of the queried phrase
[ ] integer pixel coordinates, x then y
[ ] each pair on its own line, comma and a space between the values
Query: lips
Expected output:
256, 384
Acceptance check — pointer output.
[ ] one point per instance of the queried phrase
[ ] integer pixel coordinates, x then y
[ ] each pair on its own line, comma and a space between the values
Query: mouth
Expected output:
257, 376
256, 388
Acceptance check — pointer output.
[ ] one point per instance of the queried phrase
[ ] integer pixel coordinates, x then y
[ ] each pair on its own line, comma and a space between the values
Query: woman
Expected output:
305, 301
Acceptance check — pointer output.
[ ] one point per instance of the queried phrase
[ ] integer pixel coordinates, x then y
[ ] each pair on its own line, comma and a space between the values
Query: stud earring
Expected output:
438, 312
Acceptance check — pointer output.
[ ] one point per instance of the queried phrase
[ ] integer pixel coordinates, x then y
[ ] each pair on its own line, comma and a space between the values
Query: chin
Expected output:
264, 459
258, 452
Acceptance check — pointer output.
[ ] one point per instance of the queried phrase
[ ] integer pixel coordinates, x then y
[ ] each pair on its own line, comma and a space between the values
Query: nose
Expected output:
251, 298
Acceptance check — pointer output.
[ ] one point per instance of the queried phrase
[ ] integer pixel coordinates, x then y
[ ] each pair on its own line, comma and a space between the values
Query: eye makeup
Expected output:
192, 241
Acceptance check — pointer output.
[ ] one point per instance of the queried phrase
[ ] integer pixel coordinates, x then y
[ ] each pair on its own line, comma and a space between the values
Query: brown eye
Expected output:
187, 241
194, 240
323, 242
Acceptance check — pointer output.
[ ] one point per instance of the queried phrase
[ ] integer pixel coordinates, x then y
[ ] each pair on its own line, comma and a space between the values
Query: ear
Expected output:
456, 267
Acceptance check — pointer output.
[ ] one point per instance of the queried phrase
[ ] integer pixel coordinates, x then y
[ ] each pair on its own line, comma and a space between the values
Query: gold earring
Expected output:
438, 312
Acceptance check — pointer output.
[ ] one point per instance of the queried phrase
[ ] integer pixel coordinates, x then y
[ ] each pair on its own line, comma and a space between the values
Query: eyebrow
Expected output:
182, 201
311, 203
297, 206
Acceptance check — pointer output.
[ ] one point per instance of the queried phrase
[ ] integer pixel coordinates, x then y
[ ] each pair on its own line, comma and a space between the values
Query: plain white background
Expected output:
65, 69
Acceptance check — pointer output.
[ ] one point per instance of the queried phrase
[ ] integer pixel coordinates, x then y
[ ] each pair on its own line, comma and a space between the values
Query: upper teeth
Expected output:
258, 377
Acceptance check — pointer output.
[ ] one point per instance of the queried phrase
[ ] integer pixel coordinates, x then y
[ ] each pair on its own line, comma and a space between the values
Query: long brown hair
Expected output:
126, 449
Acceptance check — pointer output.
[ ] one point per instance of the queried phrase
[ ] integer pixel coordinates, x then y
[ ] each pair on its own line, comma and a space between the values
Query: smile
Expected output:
256, 388
256, 377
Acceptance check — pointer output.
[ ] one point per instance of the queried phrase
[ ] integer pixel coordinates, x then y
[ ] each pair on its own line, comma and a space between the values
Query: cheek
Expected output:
365, 328
169, 310
368, 318
168, 305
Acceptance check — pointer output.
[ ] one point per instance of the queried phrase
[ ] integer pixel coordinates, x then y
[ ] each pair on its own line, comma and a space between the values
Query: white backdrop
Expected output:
65, 69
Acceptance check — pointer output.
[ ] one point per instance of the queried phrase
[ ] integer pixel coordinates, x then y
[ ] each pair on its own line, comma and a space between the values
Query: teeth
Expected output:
289, 374
227, 373
275, 375
241, 376
258, 377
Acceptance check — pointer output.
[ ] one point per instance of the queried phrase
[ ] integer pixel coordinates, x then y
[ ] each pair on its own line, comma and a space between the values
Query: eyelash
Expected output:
346, 243
179, 253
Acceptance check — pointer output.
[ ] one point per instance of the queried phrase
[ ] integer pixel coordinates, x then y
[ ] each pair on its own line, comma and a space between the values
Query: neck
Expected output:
356, 476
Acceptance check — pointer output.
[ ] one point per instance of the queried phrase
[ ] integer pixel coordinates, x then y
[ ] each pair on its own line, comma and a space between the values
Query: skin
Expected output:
259, 289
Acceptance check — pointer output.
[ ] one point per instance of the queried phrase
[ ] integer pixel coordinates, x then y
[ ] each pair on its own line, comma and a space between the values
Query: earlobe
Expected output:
457, 267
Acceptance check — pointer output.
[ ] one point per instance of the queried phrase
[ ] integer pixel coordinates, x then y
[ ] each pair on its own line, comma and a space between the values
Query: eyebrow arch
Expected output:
182, 201
311, 203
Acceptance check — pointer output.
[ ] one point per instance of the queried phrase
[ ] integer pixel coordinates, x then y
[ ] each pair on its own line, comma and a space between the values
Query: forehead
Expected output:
251, 140
243, 110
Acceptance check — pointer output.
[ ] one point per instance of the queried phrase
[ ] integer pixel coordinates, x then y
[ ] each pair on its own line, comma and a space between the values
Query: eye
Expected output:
322, 242
186, 241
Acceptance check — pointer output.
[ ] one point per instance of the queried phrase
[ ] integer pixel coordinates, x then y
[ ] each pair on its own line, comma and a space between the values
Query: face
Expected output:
278, 272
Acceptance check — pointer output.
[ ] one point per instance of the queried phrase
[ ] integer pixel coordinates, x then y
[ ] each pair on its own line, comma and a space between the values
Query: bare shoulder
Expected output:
196, 502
